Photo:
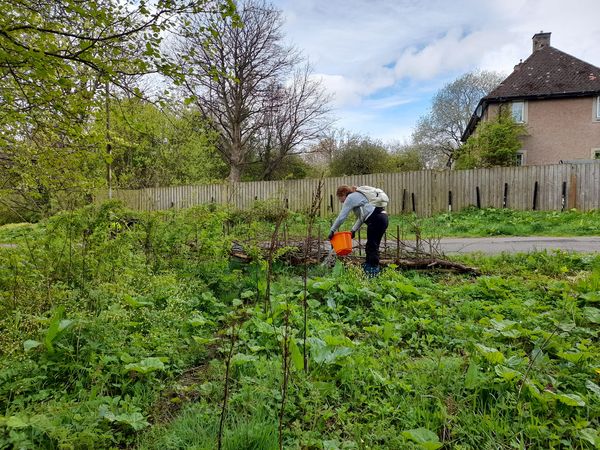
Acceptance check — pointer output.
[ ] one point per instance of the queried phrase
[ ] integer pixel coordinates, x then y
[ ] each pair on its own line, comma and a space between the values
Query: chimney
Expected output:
540, 40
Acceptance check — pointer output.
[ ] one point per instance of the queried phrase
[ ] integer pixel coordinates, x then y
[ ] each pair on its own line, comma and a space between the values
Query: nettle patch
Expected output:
138, 331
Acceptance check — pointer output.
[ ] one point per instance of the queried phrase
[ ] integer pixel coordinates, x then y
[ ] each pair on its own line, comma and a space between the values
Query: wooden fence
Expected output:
553, 187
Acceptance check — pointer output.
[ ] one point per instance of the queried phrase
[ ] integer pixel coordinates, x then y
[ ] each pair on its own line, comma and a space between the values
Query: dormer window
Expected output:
518, 112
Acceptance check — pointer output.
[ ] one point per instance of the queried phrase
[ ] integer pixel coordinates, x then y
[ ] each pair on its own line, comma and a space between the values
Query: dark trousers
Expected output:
377, 223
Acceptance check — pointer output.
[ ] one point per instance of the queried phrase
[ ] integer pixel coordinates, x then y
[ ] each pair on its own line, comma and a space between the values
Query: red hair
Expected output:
344, 190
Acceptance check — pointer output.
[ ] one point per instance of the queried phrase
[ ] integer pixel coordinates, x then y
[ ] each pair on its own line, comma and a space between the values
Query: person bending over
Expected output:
375, 217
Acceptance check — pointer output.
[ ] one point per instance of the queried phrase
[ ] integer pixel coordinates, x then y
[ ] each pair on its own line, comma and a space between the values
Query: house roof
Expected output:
547, 73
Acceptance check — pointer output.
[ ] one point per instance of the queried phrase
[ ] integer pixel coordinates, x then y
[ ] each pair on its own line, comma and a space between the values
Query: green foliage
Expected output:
95, 319
495, 143
152, 147
360, 155
508, 222
115, 327
291, 167
406, 160
61, 61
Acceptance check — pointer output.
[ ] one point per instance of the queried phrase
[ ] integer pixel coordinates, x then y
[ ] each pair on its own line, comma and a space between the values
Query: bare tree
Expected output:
294, 115
438, 133
246, 82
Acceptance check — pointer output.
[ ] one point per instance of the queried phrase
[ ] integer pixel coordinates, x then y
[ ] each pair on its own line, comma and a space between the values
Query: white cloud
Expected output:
380, 56
345, 92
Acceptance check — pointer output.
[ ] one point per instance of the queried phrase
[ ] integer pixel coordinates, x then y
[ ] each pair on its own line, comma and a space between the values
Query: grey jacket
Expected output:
358, 203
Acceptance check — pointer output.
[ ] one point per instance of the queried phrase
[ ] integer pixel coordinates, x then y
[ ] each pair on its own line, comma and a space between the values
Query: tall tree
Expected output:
296, 114
60, 60
248, 84
438, 133
52, 49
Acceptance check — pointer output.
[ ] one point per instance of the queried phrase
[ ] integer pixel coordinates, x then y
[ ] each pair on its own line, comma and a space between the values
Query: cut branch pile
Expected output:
407, 256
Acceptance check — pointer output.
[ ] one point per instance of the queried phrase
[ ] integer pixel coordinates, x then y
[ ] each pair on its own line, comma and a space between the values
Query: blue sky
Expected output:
383, 60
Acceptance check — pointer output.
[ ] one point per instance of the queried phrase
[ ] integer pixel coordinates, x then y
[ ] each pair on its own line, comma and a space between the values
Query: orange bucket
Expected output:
342, 243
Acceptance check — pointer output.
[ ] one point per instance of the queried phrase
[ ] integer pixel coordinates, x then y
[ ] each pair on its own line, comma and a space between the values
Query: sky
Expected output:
383, 60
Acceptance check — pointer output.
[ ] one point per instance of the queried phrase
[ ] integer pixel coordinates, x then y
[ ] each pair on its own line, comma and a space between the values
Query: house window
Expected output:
598, 108
520, 159
518, 111
596, 153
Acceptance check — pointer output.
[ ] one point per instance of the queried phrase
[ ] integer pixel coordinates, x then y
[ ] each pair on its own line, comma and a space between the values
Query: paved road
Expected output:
519, 244
496, 245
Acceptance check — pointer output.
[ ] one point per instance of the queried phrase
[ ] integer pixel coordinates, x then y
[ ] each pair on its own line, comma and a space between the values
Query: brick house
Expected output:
557, 96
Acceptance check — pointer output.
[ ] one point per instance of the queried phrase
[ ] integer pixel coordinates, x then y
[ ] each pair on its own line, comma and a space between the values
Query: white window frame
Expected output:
520, 158
597, 109
523, 111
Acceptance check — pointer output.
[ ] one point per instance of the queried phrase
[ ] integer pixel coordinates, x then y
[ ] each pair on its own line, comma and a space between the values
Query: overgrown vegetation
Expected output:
507, 222
495, 143
117, 329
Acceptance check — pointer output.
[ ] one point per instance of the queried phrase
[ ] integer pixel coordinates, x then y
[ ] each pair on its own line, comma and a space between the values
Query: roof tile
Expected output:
549, 72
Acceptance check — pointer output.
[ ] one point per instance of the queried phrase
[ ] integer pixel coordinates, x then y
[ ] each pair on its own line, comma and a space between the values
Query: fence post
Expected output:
572, 189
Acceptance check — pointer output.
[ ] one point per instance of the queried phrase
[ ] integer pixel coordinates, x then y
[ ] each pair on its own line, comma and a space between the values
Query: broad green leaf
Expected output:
202, 340
30, 344
332, 444
337, 340
570, 399
512, 333
326, 354
473, 376
56, 327
427, 439
135, 303
296, 356
388, 330
135, 420
146, 365
198, 321
16, 422
574, 357
592, 297
516, 361
567, 326
592, 314
321, 285
329, 356
593, 387
506, 373
502, 325
533, 390
493, 355
591, 435
247, 294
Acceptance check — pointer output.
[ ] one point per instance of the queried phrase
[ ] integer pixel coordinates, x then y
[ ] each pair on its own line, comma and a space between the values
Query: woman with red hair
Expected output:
375, 217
